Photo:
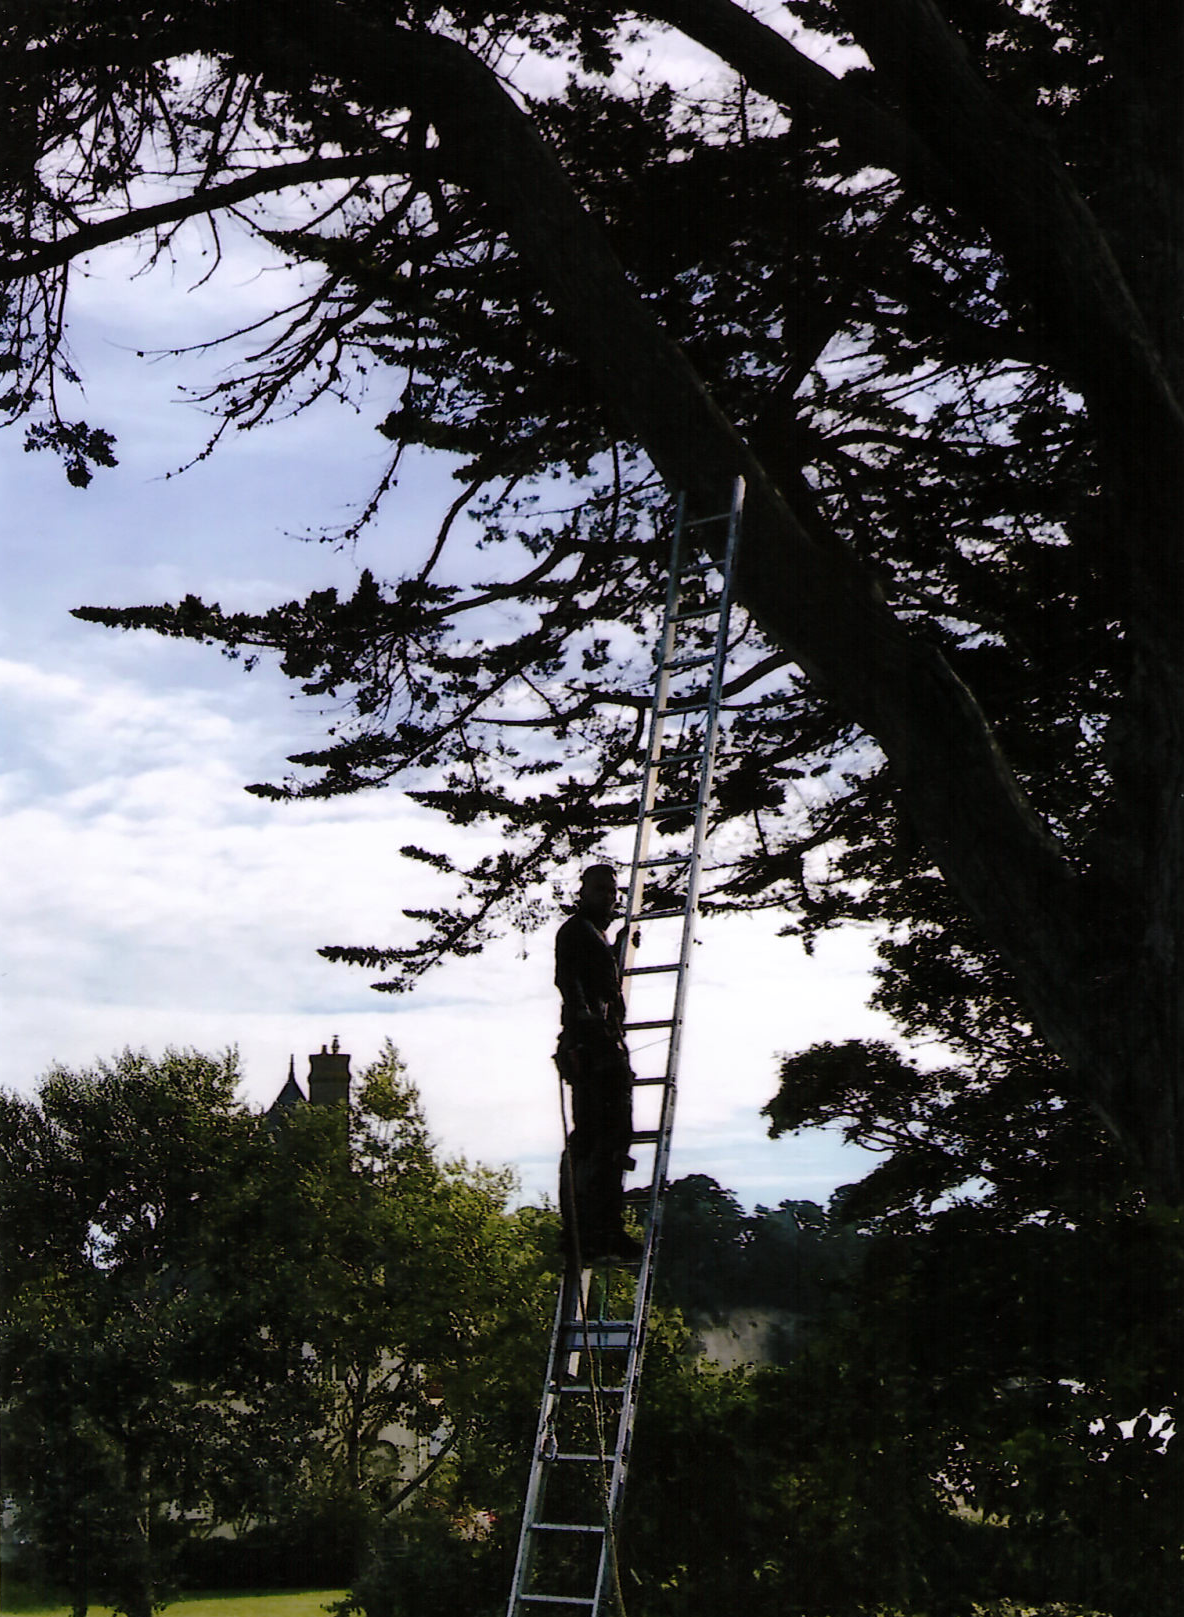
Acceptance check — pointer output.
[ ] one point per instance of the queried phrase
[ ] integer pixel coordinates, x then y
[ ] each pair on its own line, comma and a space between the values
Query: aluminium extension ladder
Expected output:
567, 1549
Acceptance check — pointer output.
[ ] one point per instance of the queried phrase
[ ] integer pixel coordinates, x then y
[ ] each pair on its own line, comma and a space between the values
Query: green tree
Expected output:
111, 1400
412, 1291
797, 1487
979, 1421
290, 1323
716, 1257
919, 285
431, 1307
1020, 1306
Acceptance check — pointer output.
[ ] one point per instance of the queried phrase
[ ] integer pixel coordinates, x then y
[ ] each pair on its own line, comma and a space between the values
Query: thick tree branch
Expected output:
50, 255
768, 62
1007, 175
421, 1477
959, 145
816, 604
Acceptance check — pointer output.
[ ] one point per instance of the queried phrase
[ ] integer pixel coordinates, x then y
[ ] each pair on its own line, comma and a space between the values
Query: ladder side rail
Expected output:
645, 1279
644, 1283
674, 1046
641, 1313
654, 737
538, 1463
703, 799
614, 1484
659, 704
666, 1123
624, 1437
632, 1379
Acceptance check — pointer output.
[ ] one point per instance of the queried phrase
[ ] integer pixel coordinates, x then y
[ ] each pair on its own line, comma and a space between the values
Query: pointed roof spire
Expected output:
290, 1095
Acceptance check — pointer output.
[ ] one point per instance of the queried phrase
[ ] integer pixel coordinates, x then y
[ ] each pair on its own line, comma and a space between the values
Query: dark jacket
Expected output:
587, 977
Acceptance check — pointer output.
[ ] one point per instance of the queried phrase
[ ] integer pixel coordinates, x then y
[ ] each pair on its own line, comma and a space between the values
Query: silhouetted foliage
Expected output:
1020, 1309
984, 1413
921, 288
716, 1257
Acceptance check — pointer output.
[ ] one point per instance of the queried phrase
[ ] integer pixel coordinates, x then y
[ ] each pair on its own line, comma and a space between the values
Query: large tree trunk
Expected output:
136, 1574
79, 1585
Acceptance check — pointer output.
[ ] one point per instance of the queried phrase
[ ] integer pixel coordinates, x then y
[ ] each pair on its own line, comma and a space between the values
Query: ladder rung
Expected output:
695, 612
699, 705
556, 1600
646, 1136
699, 522
641, 1027
676, 758
684, 663
586, 1386
565, 1527
576, 1340
672, 808
602, 1336
646, 1083
649, 971
655, 915
666, 859
582, 1459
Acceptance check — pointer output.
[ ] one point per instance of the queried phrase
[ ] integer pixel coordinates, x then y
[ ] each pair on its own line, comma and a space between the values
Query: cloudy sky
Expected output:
148, 900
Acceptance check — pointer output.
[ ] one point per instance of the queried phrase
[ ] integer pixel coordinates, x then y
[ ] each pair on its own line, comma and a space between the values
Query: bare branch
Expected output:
135, 221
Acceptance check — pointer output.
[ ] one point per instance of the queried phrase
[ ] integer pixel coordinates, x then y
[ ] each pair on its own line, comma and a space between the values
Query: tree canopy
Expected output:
286, 1323
212, 1314
910, 268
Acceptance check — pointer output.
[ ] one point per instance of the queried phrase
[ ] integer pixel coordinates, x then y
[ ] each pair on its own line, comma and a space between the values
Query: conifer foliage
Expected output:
912, 267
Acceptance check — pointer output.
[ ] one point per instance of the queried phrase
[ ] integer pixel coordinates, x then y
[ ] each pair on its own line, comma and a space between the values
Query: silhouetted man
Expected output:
594, 1061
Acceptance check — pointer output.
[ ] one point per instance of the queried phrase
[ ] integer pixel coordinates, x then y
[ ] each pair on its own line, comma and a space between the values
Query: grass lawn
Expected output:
310, 1603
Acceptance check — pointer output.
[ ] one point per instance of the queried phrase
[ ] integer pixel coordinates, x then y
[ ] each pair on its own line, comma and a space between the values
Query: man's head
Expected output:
598, 893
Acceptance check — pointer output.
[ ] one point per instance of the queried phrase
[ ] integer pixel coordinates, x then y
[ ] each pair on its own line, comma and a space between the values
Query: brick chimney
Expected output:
328, 1077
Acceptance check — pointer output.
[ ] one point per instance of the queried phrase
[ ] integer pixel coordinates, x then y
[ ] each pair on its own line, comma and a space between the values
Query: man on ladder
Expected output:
594, 1063
567, 1549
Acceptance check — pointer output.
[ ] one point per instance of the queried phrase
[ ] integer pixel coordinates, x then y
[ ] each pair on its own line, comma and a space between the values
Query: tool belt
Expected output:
592, 1053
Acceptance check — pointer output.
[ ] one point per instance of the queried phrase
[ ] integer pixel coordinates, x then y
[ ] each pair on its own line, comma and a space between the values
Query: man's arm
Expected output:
571, 971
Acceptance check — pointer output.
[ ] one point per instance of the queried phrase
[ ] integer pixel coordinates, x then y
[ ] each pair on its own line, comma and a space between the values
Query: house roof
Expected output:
290, 1095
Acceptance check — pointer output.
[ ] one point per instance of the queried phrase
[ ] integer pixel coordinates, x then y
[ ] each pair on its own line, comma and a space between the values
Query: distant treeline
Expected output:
715, 1257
